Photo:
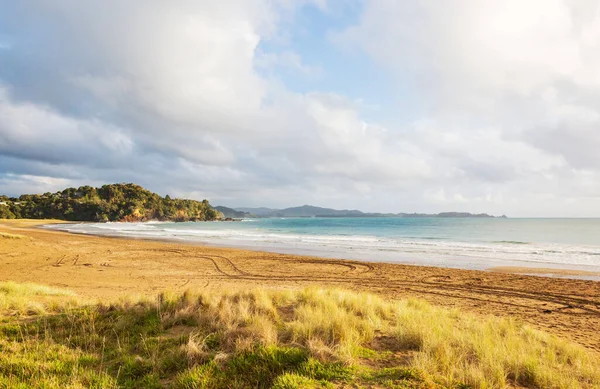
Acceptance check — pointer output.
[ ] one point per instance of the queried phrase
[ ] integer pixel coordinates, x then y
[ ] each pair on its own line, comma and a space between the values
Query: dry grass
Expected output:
334, 325
285, 339
6, 235
488, 352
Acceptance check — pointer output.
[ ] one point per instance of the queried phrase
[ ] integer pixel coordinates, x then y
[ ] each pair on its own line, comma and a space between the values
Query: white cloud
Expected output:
178, 84
509, 92
172, 95
490, 46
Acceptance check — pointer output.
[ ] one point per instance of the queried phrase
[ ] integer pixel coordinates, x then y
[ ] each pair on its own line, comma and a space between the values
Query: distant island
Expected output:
115, 202
311, 211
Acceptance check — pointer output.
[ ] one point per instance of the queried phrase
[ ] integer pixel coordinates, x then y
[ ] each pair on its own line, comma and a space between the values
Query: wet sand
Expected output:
106, 268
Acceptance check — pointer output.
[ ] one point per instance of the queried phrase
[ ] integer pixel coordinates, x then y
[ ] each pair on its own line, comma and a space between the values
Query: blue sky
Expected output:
389, 106
343, 69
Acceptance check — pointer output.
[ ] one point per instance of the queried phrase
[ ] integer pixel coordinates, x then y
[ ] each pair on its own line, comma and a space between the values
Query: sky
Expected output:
379, 105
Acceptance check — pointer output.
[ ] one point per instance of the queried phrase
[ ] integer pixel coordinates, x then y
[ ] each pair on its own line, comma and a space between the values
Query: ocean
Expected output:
467, 243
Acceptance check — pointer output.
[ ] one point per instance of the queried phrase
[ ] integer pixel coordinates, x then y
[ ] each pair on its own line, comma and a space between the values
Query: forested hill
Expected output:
115, 202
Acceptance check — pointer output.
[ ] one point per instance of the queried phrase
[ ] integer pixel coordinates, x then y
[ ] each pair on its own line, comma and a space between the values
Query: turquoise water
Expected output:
470, 243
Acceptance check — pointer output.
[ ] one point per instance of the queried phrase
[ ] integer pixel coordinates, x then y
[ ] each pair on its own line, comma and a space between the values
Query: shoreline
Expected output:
520, 267
107, 268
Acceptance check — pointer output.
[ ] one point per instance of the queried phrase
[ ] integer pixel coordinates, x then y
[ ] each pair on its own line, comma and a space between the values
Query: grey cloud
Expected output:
578, 144
488, 172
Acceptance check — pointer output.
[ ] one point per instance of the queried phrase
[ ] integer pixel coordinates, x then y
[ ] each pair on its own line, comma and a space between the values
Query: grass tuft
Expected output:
6, 235
29, 289
32, 299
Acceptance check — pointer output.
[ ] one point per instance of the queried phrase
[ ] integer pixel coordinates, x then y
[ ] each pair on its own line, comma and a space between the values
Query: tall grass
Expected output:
282, 339
488, 352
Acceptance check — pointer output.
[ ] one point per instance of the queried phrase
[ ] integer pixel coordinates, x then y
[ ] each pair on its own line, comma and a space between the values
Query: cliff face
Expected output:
115, 202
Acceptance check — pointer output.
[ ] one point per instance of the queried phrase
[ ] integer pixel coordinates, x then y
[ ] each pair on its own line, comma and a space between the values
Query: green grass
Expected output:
32, 299
310, 338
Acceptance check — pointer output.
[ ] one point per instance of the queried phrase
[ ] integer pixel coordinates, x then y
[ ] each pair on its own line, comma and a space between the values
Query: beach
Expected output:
563, 247
108, 268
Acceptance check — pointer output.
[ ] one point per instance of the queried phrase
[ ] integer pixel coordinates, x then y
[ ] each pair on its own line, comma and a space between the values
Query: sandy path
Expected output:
99, 267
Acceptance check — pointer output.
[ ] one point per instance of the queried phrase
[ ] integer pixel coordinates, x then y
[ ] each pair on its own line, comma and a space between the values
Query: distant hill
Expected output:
302, 211
312, 211
260, 212
462, 214
115, 202
309, 211
232, 213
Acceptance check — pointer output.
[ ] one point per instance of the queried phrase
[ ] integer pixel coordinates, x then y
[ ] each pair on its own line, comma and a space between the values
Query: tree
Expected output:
115, 202
5, 213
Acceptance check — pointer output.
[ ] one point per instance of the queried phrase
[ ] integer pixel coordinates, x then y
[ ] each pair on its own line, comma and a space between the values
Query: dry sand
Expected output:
106, 268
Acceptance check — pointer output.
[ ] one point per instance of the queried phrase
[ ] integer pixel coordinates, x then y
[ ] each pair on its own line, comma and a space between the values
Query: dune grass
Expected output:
6, 235
311, 338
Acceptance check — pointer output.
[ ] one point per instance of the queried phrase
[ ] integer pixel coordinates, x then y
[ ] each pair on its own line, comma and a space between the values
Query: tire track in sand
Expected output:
443, 287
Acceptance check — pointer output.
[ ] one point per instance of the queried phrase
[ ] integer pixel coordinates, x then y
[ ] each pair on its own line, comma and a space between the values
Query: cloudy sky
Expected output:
382, 105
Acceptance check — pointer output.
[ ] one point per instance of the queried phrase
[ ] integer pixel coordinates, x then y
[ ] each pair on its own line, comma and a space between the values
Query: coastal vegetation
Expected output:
115, 202
311, 338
